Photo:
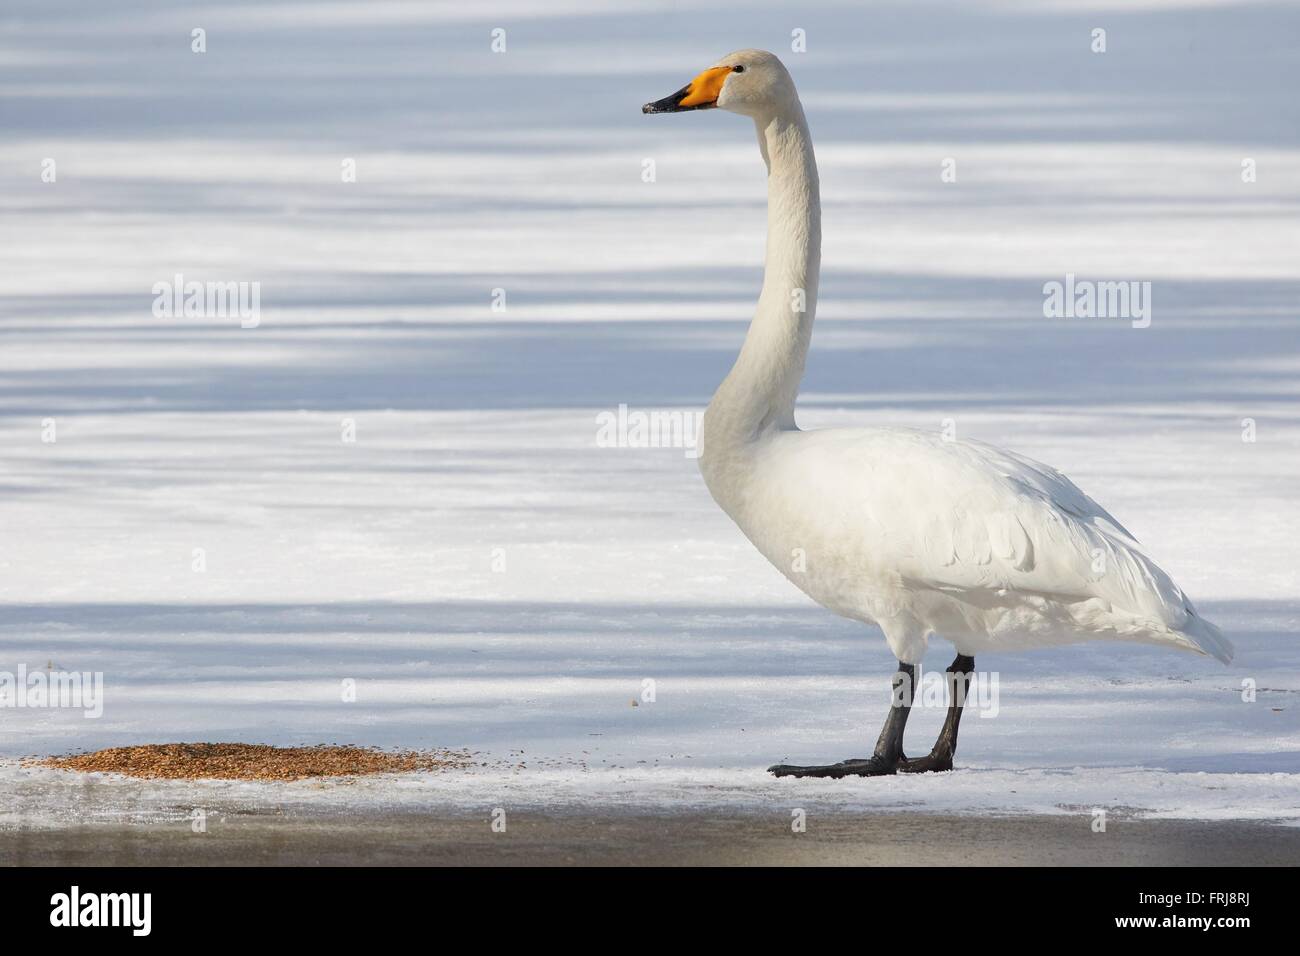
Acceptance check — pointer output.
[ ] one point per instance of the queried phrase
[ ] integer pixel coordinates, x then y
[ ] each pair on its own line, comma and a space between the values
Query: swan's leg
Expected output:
940, 758
889, 747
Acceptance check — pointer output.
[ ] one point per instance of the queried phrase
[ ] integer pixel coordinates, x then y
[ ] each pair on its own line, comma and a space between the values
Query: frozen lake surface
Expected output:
475, 563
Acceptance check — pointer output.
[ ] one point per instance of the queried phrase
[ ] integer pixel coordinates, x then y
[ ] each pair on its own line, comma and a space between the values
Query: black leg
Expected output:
889, 748
940, 758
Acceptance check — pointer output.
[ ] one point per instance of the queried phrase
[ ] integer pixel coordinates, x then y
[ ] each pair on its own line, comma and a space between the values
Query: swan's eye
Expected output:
738, 69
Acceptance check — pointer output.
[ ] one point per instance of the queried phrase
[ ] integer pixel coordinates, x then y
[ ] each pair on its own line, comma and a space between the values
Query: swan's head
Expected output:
751, 82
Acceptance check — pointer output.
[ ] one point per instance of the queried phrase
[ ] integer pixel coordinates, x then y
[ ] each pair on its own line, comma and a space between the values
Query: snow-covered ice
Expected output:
488, 574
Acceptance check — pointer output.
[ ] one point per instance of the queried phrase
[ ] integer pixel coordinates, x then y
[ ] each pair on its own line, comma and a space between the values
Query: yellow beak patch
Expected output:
706, 88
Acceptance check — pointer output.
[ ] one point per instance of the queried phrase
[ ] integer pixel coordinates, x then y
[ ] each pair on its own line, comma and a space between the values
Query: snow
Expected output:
487, 574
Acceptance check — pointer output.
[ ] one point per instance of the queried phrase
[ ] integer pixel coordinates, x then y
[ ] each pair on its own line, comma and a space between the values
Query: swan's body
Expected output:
897, 527
918, 535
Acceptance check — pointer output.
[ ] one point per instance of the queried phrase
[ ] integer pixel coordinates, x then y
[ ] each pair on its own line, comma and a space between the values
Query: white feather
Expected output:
898, 527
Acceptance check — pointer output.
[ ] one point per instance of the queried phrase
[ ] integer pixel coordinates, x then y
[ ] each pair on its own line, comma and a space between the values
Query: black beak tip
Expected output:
669, 104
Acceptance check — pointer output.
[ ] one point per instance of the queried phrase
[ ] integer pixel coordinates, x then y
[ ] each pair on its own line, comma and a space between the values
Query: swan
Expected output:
895, 527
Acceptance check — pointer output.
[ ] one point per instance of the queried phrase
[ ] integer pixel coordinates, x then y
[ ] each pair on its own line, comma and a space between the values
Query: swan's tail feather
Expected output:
1201, 636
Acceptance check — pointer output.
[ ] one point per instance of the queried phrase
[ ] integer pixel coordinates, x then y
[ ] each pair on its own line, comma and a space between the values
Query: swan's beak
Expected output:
700, 94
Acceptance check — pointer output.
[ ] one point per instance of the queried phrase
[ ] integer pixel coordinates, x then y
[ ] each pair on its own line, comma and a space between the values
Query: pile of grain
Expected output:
255, 761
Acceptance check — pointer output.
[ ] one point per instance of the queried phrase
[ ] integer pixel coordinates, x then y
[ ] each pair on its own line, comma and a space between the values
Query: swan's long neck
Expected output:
760, 391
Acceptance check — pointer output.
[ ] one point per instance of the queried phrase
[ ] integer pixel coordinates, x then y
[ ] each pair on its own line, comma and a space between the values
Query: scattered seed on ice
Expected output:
226, 761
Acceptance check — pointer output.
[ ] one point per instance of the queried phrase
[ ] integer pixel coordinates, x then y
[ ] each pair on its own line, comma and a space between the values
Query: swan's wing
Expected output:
1036, 479
1001, 521
973, 521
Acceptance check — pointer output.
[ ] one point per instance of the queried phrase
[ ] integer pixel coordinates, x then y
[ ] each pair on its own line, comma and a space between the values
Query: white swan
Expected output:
891, 526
